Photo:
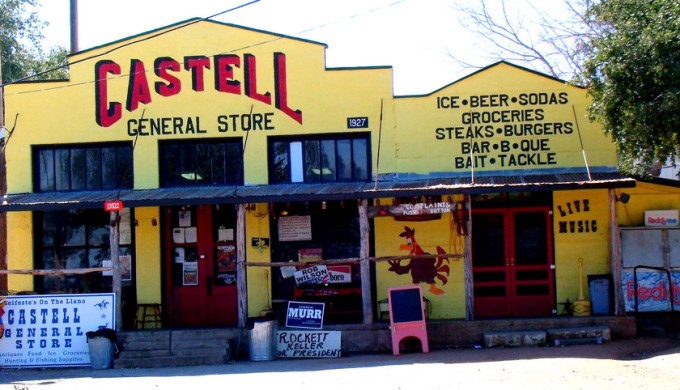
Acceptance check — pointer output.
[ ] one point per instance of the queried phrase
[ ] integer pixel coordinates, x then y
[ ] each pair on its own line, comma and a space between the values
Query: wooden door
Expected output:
512, 258
201, 259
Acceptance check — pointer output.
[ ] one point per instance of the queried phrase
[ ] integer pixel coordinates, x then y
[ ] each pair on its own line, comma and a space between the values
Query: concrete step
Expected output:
594, 333
514, 338
169, 361
153, 348
558, 336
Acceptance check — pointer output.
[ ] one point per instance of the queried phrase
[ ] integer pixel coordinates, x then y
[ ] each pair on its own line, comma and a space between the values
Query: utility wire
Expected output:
128, 44
177, 28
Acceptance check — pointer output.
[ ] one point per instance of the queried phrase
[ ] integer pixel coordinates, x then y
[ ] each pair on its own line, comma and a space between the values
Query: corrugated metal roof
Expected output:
312, 191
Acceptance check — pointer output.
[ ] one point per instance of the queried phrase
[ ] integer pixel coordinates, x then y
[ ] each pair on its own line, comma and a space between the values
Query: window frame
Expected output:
321, 140
88, 245
123, 171
165, 181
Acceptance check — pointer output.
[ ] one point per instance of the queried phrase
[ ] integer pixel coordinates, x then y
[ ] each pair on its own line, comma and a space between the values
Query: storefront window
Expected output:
79, 239
203, 163
314, 231
85, 167
313, 160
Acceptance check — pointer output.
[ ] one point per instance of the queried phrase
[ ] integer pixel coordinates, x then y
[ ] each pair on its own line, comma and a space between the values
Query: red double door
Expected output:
512, 257
200, 264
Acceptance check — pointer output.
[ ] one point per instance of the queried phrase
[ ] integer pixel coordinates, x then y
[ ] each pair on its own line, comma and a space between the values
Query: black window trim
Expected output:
162, 166
35, 161
319, 137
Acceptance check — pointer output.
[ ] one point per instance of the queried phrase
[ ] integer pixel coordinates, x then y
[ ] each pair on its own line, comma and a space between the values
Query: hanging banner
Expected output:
652, 290
50, 330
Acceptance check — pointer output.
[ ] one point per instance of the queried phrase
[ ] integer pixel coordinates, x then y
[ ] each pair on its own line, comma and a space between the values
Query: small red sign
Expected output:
113, 205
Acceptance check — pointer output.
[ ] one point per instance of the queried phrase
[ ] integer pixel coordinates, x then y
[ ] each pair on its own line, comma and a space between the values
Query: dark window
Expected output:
205, 163
82, 167
79, 239
319, 159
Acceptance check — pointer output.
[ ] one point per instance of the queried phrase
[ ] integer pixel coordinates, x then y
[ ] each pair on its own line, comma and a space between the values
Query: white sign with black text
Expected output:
308, 344
50, 330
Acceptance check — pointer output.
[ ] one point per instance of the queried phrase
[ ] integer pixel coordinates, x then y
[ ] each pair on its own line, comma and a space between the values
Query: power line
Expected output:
177, 28
128, 44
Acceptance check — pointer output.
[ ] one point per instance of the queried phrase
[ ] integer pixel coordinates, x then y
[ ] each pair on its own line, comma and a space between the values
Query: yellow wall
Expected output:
325, 97
148, 255
645, 196
259, 278
20, 250
436, 135
572, 244
429, 235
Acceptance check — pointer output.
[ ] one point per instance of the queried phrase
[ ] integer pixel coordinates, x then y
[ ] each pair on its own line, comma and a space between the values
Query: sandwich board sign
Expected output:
407, 317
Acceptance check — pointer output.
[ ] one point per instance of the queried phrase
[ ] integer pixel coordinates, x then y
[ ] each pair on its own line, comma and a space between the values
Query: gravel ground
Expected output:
641, 363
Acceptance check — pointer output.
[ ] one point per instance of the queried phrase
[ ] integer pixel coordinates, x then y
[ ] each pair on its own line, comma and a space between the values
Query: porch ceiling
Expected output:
312, 191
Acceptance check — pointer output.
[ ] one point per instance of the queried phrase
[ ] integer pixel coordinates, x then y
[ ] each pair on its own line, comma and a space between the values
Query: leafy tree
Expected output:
633, 74
20, 49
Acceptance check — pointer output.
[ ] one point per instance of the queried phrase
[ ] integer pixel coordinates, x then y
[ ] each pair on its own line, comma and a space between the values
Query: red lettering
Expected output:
162, 66
224, 73
250, 75
138, 88
280, 83
106, 113
643, 293
197, 65
168, 83
659, 292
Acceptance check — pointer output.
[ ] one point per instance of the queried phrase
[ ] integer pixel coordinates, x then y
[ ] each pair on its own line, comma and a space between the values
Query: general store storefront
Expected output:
241, 159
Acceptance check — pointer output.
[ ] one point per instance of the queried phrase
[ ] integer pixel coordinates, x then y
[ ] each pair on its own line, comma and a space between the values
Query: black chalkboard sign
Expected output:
406, 304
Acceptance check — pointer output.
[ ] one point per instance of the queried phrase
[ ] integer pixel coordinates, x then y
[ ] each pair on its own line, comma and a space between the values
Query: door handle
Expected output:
512, 262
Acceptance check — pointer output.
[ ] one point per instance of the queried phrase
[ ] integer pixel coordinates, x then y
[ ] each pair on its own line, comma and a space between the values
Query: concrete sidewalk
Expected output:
637, 363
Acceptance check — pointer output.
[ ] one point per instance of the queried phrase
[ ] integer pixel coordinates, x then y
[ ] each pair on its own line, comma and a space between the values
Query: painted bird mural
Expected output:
422, 270
3, 302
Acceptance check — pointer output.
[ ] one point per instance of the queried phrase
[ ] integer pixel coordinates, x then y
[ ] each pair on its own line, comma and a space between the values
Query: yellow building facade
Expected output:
241, 160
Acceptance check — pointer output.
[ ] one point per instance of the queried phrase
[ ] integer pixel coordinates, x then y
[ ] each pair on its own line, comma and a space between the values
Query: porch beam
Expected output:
241, 277
615, 255
364, 231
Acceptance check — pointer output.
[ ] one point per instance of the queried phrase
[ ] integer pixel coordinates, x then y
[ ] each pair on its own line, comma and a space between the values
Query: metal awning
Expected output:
312, 191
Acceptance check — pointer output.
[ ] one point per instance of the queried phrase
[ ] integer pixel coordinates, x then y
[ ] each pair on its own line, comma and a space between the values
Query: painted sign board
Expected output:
308, 344
50, 330
653, 291
308, 315
407, 318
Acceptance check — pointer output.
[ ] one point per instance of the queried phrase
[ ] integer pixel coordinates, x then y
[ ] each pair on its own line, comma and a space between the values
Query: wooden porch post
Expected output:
115, 265
615, 255
364, 252
241, 277
467, 265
